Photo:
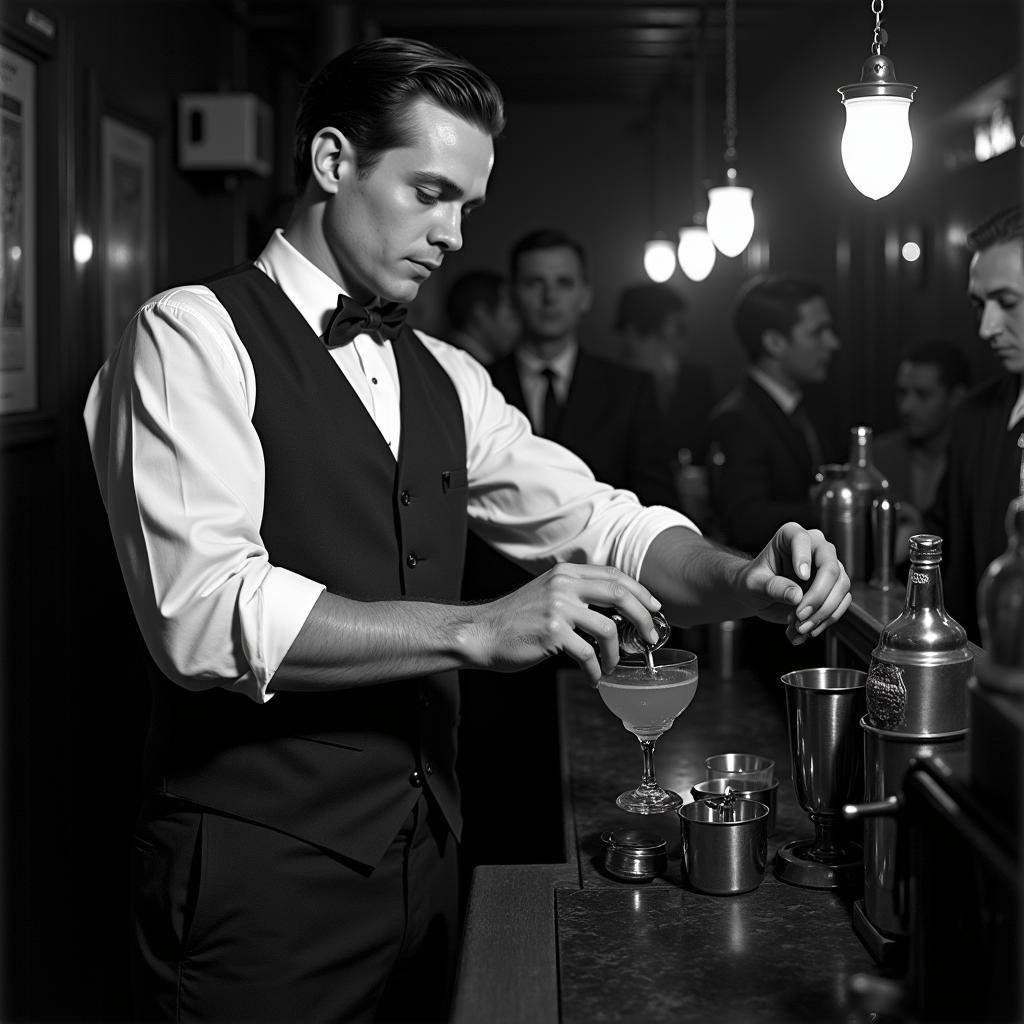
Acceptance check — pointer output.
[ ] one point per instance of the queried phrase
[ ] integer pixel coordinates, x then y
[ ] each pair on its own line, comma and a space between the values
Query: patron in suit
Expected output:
985, 470
765, 447
931, 380
480, 315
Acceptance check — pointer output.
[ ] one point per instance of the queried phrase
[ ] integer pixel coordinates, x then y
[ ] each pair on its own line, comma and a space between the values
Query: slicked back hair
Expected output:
366, 92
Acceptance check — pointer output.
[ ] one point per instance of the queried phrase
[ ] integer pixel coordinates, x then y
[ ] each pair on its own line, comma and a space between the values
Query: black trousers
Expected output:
236, 922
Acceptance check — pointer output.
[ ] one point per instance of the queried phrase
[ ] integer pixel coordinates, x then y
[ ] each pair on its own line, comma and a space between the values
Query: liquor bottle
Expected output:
1000, 605
868, 483
919, 670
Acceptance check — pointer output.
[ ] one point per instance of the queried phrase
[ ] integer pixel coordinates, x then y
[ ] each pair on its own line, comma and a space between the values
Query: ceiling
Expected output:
599, 51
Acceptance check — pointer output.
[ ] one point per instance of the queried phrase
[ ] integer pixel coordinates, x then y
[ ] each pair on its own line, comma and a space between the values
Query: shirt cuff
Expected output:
283, 603
638, 537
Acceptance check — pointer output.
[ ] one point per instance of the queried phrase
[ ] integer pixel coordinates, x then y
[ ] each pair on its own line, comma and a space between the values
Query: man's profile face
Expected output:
550, 293
812, 340
923, 401
996, 289
389, 230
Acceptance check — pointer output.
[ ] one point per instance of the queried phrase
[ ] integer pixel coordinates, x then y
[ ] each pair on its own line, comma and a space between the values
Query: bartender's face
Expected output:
388, 230
996, 288
808, 349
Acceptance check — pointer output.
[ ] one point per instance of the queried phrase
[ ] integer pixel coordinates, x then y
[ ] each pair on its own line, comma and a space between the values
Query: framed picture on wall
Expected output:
127, 241
19, 357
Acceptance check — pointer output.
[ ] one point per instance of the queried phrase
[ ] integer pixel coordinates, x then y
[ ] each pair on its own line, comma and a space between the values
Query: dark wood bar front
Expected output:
569, 943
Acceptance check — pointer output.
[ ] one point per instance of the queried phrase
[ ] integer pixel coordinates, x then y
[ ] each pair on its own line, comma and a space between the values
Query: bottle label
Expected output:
886, 694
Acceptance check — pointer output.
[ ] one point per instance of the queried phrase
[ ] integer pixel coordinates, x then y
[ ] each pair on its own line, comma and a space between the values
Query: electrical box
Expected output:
224, 131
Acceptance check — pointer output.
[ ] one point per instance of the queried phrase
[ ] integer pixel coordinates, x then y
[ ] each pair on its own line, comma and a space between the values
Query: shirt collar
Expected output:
786, 399
1018, 407
311, 291
563, 364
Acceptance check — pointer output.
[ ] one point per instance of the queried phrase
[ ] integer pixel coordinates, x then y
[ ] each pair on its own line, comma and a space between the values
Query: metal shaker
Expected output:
841, 521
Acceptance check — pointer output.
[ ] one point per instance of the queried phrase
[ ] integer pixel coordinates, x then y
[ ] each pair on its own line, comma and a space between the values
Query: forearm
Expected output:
345, 643
696, 580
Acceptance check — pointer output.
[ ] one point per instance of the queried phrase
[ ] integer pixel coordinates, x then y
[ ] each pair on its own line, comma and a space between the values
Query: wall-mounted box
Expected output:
224, 131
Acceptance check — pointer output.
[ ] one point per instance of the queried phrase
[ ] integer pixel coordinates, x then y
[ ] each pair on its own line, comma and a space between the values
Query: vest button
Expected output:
405, 497
415, 779
410, 560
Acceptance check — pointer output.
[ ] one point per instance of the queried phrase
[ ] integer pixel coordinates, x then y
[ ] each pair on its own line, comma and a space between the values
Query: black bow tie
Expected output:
352, 318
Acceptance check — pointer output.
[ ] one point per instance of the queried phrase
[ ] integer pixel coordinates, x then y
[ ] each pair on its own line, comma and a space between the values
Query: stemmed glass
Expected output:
648, 692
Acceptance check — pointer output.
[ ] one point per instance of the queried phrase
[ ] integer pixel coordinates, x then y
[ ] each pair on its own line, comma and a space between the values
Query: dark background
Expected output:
587, 148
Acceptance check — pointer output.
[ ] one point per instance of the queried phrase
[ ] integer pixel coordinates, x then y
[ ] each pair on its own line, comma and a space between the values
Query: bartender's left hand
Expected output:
798, 579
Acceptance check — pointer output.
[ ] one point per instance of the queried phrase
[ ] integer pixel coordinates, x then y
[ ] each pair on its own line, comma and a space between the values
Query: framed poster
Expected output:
19, 357
128, 244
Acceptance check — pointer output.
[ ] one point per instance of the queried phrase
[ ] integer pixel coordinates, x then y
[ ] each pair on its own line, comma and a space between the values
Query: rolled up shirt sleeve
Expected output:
181, 473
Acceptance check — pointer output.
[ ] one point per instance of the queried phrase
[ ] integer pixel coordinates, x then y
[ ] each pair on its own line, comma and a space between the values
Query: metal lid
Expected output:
635, 841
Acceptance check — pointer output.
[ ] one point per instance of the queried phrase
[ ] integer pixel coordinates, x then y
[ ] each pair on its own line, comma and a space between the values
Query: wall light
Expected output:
877, 143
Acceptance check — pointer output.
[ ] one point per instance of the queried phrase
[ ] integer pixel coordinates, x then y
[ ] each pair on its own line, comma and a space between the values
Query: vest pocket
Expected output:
454, 479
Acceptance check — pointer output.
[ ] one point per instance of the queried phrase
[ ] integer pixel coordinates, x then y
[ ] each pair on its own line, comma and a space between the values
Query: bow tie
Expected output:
352, 318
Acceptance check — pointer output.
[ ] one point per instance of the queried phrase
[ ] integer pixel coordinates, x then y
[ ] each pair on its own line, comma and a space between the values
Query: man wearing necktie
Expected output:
289, 479
765, 448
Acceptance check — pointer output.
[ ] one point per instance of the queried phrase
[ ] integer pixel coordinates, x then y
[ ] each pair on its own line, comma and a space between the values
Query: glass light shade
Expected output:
696, 252
730, 218
877, 143
659, 259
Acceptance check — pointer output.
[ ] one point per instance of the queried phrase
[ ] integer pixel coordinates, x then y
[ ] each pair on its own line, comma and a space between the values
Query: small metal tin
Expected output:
634, 854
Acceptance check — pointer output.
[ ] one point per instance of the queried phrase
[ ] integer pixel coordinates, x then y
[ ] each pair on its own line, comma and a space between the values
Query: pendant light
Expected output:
659, 250
730, 213
696, 252
877, 143
659, 259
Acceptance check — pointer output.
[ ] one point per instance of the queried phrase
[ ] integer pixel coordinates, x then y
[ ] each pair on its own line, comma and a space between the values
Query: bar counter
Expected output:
565, 942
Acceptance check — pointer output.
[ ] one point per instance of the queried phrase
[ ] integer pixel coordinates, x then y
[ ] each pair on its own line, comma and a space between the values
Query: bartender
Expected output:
289, 470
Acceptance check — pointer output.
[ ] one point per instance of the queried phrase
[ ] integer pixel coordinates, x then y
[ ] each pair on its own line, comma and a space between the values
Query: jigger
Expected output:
823, 711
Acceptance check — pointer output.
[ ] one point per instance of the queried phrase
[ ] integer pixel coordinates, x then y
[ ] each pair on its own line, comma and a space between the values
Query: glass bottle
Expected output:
1000, 607
919, 670
868, 483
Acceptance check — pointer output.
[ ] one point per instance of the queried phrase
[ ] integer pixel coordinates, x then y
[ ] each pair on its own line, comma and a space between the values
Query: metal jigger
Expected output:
824, 707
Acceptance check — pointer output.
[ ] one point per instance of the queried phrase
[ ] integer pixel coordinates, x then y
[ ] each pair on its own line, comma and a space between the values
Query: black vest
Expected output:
341, 769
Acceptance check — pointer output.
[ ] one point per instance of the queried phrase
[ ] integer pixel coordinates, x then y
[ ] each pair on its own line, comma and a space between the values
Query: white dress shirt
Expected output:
181, 471
535, 384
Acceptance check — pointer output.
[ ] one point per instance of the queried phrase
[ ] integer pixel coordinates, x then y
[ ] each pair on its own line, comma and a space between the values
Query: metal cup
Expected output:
746, 767
724, 851
745, 789
824, 707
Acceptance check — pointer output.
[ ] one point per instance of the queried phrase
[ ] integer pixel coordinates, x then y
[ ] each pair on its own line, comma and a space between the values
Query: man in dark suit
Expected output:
765, 448
985, 468
603, 411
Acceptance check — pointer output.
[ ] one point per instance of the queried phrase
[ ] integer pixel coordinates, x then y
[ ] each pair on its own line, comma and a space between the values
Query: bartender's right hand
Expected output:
541, 619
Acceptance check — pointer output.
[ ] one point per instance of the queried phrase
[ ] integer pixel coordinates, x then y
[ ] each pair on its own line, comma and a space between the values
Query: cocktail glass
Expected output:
648, 700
